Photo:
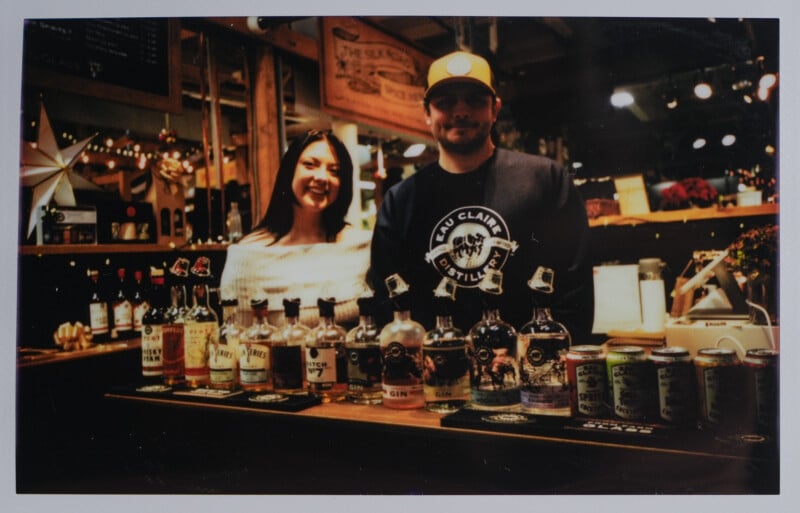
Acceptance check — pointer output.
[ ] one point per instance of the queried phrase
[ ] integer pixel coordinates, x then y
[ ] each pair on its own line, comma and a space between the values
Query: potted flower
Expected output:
689, 192
754, 256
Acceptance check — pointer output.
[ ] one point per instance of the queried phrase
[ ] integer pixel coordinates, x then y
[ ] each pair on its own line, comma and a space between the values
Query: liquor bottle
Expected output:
445, 362
122, 308
139, 300
201, 328
326, 363
234, 223
98, 308
494, 379
401, 346
255, 371
153, 322
542, 346
288, 368
364, 365
223, 354
174, 350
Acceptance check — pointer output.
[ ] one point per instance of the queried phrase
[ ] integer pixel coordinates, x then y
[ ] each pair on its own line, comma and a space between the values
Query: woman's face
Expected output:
316, 177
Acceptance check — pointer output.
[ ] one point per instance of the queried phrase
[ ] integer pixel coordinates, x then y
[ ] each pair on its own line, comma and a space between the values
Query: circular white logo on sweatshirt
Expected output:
467, 242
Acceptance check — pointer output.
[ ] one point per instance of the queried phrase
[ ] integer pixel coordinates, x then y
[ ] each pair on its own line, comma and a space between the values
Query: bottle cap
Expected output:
291, 306
259, 302
366, 305
442, 306
396, 285
202, 267
542, 280
446, 288
181, 267
492, 282
326, 306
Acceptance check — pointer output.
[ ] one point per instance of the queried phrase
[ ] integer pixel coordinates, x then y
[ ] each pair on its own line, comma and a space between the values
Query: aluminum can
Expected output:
719, 385
628, 386
675, 385
586, 375
762, 386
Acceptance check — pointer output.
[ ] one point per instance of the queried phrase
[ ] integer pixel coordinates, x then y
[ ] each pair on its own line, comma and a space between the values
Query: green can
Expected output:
628, 386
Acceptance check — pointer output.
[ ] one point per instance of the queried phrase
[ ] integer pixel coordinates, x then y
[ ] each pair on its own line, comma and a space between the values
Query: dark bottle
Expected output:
494, 379
139, 300
173, 354
153, 322
201, 328
445, 362
98, 308
122, 308
364, 359
287, 350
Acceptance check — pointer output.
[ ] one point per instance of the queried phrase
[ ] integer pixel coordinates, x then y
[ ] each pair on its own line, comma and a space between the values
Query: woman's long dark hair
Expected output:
280, 214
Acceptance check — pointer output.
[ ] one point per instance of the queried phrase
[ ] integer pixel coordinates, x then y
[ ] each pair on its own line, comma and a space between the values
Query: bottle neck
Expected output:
230, 313
491, 314
292, 320
541, 313
444, 321
402, 315
200, 295
366, 320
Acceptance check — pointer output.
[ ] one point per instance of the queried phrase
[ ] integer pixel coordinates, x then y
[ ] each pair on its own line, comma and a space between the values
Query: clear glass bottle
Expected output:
326, 362
122, 308
288, 369
364, 361
494, 379
97, 308
234, 223
139, 300
201, 329
174, 350
223, 355
401, 345
153, 322
446, 362
255, 366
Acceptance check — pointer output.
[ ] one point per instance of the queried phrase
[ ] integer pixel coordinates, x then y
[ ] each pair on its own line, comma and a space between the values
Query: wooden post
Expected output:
266, 134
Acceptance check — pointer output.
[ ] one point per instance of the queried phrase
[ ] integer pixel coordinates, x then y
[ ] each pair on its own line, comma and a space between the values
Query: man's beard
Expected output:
466, 147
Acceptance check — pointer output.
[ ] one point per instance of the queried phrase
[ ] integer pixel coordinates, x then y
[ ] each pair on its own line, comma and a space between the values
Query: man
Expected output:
482, 214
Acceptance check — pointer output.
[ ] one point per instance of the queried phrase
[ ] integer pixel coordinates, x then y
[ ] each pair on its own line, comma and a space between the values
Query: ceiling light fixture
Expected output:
672, 104
703, 90
728, 139
698, 143
622, 99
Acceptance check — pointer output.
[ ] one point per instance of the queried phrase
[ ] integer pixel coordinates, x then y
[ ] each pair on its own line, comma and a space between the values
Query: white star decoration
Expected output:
48, 170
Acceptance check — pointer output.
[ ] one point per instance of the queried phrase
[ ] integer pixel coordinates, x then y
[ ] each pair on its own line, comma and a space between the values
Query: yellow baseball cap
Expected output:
459, 67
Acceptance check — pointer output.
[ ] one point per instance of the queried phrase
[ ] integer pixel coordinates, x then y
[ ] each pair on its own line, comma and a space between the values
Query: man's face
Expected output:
461, 117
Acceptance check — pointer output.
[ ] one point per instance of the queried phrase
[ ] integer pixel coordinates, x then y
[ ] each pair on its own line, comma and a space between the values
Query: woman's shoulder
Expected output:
257, 237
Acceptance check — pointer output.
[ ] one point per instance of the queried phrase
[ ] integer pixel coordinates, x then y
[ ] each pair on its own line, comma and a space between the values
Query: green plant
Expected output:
755, 250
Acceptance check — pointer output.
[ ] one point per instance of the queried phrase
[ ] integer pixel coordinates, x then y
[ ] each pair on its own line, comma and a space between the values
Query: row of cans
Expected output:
715, 390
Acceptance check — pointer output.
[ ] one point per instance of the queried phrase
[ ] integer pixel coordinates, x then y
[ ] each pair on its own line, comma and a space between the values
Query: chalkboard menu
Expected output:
133, 60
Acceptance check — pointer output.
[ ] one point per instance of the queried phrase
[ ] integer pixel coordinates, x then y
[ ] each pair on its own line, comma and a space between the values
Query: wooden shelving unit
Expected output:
85, 249
686, 215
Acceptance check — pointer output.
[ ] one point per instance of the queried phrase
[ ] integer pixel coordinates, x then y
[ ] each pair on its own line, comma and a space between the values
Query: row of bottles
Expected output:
116, 310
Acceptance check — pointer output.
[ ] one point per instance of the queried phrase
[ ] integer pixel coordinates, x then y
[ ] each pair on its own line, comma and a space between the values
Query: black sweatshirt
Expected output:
514, 213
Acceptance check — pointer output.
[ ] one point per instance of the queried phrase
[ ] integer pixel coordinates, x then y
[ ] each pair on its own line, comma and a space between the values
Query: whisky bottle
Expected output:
255, 371
401, 346
139, 300
326, 363
445, 362
542, 346
223, 355
153, 322
174, 353
494, 379
364, 363
98, 308
122, 309
288, 369
201, 328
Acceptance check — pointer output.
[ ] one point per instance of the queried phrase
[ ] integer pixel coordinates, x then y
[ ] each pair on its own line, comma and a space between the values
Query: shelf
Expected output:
30, 357
86, 249
691, 214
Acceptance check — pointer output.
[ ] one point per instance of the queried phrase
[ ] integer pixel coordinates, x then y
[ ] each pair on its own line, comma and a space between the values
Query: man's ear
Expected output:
497, 104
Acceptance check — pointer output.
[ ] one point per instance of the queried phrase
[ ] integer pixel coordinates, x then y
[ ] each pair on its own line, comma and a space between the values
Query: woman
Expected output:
303, 247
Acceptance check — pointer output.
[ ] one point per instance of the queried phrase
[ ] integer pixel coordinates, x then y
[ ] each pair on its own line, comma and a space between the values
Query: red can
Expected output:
762, 385
586, 375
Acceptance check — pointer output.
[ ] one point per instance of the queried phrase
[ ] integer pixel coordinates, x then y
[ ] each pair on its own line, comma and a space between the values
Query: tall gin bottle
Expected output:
174, 354
326, 362
401, 345
494, 379
255, 367
223, 354
201, 328
287, 350
445, 362
364, 357
543, 345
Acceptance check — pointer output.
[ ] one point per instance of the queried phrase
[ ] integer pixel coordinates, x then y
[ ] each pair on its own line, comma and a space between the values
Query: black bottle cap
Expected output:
326, 306
366, 305
402, 302
231, 301
259, 302
442, 306
291, 306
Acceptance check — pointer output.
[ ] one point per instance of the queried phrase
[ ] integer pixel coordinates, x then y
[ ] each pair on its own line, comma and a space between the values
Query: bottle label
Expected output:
173, 351
222, 360
402, 363
138, 312
590, 387
544, 373
197, 337
675, 392
403, 394
628, 384
152, 348
364, 366
321, 365
496, 370
254, 364
721, 400
287, 367
98, 318
123, 316
445, 373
